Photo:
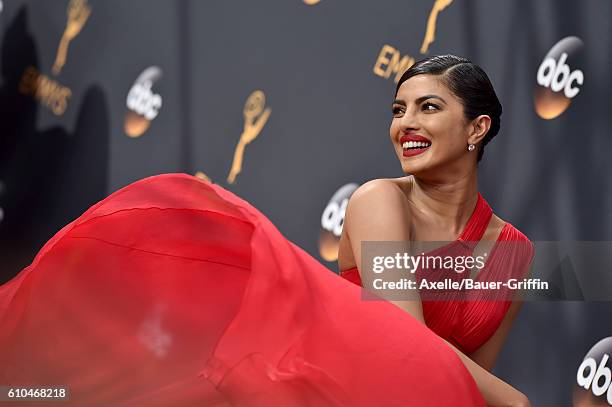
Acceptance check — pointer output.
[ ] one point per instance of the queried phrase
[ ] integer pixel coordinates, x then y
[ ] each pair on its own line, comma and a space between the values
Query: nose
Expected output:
409, 122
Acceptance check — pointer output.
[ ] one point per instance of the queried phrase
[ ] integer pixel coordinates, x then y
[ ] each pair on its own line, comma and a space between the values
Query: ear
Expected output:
479, 128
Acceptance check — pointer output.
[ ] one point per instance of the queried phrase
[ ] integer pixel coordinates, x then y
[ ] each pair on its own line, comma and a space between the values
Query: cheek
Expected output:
458, 136
393, 128
447, 133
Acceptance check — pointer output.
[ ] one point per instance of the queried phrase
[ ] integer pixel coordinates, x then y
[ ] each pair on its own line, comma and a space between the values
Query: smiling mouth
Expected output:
414, 145
412, 148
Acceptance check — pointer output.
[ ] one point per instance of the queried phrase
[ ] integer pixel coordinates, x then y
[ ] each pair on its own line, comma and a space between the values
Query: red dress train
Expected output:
173, 291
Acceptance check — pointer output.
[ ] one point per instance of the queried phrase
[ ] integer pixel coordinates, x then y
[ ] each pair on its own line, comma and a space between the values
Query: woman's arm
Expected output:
378, 211
495, 391
487, 353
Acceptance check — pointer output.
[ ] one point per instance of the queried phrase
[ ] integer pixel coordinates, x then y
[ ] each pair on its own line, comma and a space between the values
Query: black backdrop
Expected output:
321, 78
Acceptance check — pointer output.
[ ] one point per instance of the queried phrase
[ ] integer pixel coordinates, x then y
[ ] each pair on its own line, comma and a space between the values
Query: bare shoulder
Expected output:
375, 206
376, 190
376, 211
501, 230
511, 232
495, 228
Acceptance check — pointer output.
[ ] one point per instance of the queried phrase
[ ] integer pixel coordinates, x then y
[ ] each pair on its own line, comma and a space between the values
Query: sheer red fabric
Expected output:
173, 291
469, 322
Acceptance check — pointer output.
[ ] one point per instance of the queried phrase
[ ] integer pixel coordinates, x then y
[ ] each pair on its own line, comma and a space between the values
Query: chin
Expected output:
411, 169
412, 166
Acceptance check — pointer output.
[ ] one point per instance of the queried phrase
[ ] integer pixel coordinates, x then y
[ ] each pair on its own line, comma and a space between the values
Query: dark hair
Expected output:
468, 82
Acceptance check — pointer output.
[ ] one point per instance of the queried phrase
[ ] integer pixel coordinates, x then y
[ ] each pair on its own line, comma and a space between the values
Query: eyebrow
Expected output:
419, 100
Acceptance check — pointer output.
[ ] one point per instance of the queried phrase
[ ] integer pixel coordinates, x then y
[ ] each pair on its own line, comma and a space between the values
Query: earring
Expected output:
471, 147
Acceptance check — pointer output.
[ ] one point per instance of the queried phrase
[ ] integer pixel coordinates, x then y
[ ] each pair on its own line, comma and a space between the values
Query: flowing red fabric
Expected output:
175, 292
469, 320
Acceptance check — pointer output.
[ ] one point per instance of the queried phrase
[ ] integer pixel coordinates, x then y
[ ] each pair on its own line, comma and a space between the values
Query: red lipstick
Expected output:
414, 137
414, 144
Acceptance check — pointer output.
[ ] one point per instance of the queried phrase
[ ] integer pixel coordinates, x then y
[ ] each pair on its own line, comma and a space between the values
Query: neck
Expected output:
452, 201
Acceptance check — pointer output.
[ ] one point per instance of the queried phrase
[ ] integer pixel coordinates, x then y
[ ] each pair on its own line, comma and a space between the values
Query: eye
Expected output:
430, 107
397, 110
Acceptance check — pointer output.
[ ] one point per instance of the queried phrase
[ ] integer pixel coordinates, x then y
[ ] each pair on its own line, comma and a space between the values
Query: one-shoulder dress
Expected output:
468, 322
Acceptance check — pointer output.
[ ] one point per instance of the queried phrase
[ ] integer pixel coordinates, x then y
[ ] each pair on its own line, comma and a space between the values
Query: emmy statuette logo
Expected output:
557, 80
390, 61
202, 176
430, 31
256, 114
332, 221
142, 103
255, 117
78, 13
44, 89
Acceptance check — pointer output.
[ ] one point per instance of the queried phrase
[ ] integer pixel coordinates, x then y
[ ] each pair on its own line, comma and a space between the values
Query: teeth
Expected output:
415, 144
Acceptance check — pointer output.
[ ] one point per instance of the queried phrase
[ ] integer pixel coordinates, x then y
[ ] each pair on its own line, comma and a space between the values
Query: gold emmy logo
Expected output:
47, 91
430, 32
389, 62
44, 89
255, 117
202, 176
78, 13
142, 103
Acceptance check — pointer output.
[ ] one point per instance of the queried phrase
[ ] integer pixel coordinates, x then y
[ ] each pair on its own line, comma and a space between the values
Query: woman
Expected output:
444, 113
173, 291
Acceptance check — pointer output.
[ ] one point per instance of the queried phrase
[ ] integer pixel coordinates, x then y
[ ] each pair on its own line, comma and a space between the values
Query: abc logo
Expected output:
333, 217
557, 81
557, 76
143, 105
594, 377
332, 220
144, 102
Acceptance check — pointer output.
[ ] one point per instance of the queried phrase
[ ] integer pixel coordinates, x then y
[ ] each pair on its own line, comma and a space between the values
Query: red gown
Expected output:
173, 291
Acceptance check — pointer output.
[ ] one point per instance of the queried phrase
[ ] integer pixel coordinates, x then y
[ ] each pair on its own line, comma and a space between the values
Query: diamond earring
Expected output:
471, 147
